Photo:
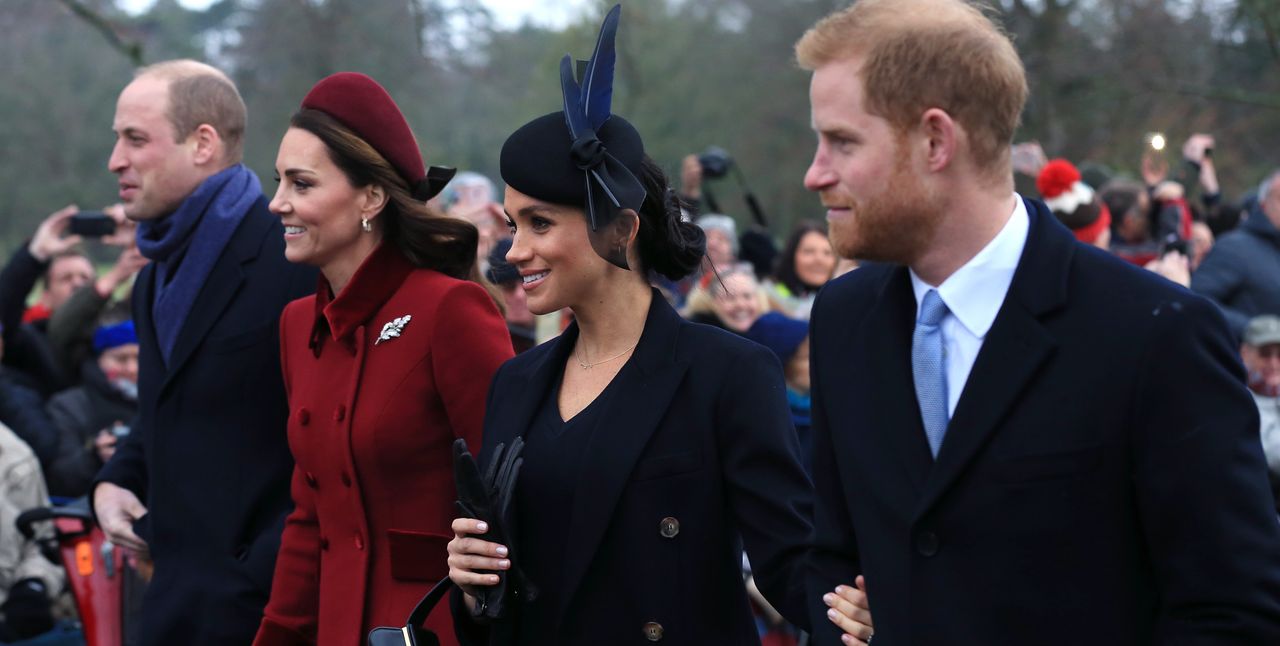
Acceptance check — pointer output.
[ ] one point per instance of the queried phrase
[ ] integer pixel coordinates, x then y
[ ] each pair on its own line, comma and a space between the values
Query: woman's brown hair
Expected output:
425, 236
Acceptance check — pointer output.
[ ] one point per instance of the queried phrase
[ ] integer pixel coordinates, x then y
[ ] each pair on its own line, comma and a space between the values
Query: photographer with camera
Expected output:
92, 417
71, 328
54, 258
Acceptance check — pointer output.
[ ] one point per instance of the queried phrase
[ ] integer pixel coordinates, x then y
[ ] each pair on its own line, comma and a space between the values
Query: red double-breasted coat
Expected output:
381, 380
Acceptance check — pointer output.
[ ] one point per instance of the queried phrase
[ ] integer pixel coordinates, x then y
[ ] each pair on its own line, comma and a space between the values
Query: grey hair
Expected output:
1265, 186
720, 222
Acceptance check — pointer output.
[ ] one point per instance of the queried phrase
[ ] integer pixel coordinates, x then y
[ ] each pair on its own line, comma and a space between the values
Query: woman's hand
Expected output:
850, 612
467, 556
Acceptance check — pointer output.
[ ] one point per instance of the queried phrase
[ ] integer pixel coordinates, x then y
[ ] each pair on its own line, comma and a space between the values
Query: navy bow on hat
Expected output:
611, 186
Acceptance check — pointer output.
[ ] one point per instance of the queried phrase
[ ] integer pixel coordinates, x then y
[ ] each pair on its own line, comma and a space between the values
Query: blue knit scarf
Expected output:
186, 244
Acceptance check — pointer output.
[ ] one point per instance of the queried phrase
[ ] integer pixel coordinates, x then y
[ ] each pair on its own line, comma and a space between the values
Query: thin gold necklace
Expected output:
577, 356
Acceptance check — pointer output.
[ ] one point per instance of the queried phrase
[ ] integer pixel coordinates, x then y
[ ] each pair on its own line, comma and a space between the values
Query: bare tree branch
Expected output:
131, 50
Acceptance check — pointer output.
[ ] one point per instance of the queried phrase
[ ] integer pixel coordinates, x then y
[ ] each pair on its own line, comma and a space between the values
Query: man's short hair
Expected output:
202, 94
73, 252
922, 54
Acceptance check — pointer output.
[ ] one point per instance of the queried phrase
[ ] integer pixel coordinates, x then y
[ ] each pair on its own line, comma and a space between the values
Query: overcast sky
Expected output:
507, 13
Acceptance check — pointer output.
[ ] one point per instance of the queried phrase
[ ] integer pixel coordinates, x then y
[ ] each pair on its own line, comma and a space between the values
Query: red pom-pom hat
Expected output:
1060, 187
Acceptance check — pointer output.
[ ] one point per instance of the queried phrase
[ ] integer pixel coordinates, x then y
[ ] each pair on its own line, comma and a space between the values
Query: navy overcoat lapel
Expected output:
1013, 351
890, 403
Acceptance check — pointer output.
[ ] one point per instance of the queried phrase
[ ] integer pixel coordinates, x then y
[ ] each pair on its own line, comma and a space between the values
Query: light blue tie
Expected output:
929, 369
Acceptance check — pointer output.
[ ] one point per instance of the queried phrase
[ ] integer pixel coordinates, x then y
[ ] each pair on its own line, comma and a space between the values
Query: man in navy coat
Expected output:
1018, 439
207, 453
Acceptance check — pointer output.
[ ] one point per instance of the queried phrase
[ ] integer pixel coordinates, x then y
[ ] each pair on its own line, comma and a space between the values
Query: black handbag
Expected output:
412, 633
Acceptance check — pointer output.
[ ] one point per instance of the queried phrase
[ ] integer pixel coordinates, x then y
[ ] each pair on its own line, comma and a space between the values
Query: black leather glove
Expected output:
26, 611
491, 498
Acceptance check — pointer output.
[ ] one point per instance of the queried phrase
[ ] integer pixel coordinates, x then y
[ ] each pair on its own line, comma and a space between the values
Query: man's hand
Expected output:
105, 444
117, 508
691, 177
1193, 150
126, 234
1154, 168
49, 240
130, 262
1028, 158
849, 610
1173, 266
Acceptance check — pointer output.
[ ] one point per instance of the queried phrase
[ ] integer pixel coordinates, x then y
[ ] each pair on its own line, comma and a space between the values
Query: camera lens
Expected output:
715, 162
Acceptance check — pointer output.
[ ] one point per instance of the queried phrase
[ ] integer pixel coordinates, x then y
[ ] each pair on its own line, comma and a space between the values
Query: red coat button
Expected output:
359, 542
346, 480
340, 414
311, 480
324, 544
304, 416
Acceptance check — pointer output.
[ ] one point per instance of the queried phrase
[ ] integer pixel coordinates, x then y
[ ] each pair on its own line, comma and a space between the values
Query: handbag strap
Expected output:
428, 602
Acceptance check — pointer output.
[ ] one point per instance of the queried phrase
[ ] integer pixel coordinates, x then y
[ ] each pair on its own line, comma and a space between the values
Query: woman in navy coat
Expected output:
656, 449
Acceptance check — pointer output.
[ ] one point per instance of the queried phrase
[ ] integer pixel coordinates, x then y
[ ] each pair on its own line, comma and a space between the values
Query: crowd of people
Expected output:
726, 434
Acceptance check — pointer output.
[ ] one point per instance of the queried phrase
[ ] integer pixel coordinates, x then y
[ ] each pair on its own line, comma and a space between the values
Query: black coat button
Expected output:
324, 543
311, 480
669, 528
304, 416
653, 631
927, 543
346, 479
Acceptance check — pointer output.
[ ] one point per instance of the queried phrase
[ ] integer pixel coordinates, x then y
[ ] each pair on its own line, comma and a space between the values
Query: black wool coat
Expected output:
208, 455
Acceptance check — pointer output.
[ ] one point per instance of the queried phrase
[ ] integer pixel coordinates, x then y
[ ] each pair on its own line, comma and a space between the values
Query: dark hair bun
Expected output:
667, 244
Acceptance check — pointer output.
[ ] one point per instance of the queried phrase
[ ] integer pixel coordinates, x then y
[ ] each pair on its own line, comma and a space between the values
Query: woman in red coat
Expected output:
385, 366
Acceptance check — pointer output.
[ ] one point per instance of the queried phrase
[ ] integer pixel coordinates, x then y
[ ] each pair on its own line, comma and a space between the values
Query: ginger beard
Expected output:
896, 224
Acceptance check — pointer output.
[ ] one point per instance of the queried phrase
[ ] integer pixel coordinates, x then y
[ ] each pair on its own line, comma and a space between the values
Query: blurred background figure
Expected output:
1260, 352
1242, 271
471, 196
92, 417
732, 303
806, 264
1129, 205
788, 338
722, 243
1074, 203
521, 323
28, 581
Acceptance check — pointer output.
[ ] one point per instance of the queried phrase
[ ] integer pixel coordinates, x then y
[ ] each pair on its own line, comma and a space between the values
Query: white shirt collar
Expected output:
975, 292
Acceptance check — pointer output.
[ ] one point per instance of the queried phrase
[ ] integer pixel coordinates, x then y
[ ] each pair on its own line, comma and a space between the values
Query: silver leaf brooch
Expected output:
393, 328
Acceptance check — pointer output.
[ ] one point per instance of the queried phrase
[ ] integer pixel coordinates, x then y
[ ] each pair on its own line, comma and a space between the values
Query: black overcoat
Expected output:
699, 434
207, 454
1101, 481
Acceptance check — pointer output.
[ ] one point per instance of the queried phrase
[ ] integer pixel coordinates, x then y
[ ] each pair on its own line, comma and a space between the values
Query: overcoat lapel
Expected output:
1013, 351
642, 394
219, 288
143, 298
891, 404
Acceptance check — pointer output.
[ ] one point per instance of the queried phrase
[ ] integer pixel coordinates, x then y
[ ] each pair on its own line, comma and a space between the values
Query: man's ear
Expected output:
208, 144
942, 134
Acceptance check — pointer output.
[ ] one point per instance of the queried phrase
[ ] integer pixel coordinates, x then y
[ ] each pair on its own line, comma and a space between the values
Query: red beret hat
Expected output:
362, 105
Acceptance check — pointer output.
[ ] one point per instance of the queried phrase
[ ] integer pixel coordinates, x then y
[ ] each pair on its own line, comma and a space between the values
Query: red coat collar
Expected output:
377, 278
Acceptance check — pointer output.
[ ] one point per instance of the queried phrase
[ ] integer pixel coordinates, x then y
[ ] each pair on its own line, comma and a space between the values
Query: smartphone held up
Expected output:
91, 224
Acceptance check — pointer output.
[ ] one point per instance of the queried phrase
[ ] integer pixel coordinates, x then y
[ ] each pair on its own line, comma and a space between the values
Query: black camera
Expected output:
94, 224
1173, 243
715, 162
